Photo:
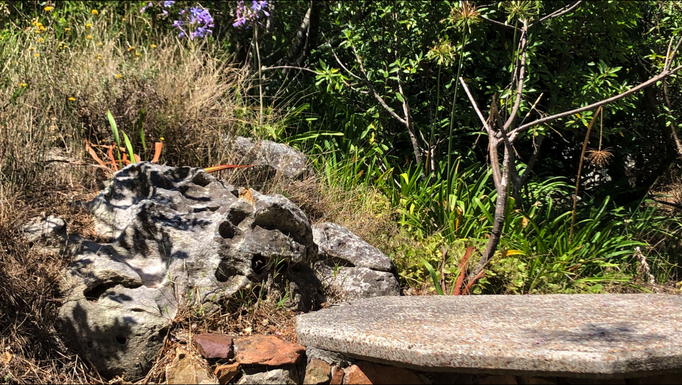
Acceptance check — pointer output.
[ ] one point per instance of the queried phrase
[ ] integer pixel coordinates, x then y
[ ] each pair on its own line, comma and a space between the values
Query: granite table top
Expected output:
609, 335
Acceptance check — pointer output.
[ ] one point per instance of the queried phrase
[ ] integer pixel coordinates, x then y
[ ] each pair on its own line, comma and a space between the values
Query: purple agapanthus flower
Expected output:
145, 7
249, 15
193, 22
195, 19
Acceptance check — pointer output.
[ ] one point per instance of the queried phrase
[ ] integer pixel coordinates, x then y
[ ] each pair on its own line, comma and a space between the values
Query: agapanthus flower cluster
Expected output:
193, 22
249, 15
164, 5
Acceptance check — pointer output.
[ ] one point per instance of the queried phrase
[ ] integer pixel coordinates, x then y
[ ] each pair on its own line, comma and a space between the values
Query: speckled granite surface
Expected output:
612, 335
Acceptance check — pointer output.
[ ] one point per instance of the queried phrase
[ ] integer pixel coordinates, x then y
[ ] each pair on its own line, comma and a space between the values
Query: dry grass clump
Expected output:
56, 84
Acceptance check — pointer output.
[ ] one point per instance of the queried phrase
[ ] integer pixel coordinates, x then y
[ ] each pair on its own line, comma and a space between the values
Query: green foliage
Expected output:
409, 54
540, 256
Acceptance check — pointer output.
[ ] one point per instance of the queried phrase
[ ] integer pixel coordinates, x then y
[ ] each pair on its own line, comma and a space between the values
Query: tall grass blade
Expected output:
434, 277
140, 128
129, 148
114, 129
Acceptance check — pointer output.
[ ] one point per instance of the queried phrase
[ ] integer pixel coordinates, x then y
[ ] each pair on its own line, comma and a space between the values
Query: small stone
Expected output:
277, 376
39, 228
226, 372
214, 345
186, 369
317, 372
337, 376
355, 376
267, 350
383, 374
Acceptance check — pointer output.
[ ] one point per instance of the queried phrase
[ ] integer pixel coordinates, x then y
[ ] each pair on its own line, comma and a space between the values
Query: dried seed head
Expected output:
600, 158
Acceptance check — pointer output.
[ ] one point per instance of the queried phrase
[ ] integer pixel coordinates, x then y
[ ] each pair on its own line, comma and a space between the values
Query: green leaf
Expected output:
129, 147
434, 278
114, 129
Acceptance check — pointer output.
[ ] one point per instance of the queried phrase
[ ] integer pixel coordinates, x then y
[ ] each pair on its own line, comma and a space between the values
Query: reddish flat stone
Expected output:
214, 345
266, 350
355, 376
337, 376
382, 374
226, 372
316, 372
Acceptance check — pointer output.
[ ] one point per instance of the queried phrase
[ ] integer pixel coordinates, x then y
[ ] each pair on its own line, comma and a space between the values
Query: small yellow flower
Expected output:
88, 37
48, 8
138, 54
88, 25
130, 49
99, 43
94, 12
67, 29
36, 54
162, 138
37, 31
118, 76
99, 56
153, 45
41, 27
22, 84
40, 40
72, 99
31, 48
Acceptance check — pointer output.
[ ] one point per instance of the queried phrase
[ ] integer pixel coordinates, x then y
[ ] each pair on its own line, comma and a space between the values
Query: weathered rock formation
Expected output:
270, 157
351, 268
180, 238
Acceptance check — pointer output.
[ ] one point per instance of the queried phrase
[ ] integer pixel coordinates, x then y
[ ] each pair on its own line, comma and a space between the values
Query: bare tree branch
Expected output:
368, 84
519, 87
514, 133
492, 140
531, 161
473, 103
373, 91
291, 68
558, 12
670, 57
501, 24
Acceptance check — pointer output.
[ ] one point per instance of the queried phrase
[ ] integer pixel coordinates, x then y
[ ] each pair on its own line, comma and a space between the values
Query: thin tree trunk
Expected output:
500, 209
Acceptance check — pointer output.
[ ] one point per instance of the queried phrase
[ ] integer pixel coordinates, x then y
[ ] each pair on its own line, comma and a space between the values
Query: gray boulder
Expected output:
179, 238
271, 157
350, 267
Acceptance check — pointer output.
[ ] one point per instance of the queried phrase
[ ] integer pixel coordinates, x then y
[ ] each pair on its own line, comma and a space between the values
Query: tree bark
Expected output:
306, 36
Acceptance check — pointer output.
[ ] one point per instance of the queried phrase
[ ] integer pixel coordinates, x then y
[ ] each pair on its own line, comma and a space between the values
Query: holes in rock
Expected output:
258, 263
202, 179
121, 340
278, 218
226, 230
136, 310
225, 272
236, 216
91, 345
97, 291
201, 209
